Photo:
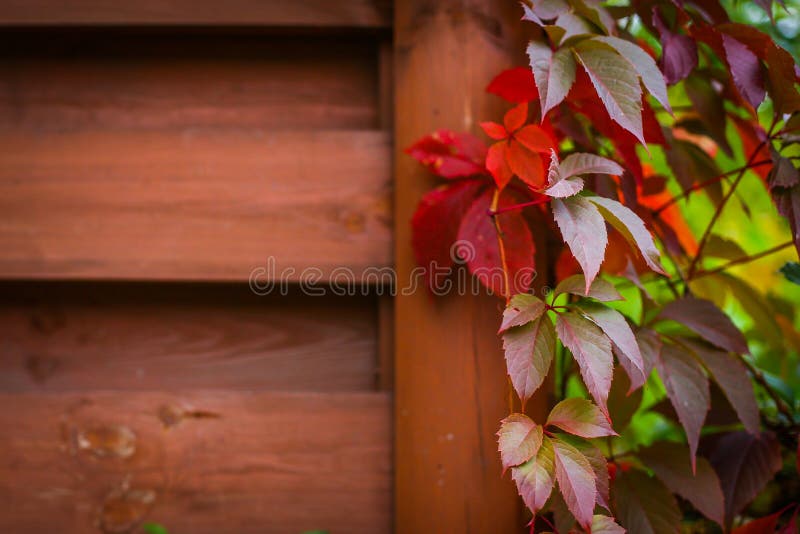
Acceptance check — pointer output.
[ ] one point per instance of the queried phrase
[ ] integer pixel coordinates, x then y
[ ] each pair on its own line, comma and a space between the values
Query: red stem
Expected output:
542, 200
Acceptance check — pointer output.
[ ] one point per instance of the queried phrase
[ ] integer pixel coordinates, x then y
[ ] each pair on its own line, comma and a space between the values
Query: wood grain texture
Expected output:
80, 337
57, 81
195, 205
244, 463
298, 13
450, 378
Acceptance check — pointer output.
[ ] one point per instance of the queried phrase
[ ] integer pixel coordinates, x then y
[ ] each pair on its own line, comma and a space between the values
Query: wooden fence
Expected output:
154, 154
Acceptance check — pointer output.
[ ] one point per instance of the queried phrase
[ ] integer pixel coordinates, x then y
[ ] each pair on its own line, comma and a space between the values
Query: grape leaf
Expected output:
519, 439
576, 480
744, 463
478, 229
616, 84
616, 327
644, 505
592, 350
581, 418
554, 72
670, 462
688, 391
529, 351
534, 478
645, 66
522, 309
434, 226
584, 231
730, 374
449, 154
599, 290
703, 317
602, 524
632, 227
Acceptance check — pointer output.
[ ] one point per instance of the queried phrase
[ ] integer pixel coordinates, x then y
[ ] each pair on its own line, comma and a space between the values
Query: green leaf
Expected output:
644, 65
554, 73
576, 480
602, 524
581, 418
592, 350
703, 317
584, 232
529, 350
730, 374
523, 308
632, 228
687, 389
154, 528
791, 271
534, 478
616, 84
599, 290
670, 462
519, 439
616, 327
644, 505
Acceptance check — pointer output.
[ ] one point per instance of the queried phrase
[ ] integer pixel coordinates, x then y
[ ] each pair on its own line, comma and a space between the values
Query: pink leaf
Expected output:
529, 351
519, 439
706, 319
678, 52
554, 73
592, 350
581, 418
576, 481
522, 309
534, 478
584, 231
745, 69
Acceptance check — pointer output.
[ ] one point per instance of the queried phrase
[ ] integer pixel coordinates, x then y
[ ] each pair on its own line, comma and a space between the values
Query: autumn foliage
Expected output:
622, 118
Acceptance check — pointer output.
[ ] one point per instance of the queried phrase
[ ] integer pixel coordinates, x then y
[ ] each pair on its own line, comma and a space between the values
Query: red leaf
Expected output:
753, 136
616, 327
527, 165
644, 505
670, 462
744, 463
764, 525
515, 85
581, 418
534, 478
592, 350
522, 309
494, 130
706, 319
478, 232
745, 70
599, 465
434, 227
678, 54
576, 480
730, 374
515, 117
529, 351
519, 439
535, 139
497, 164
449, 154
584, 231
687, 389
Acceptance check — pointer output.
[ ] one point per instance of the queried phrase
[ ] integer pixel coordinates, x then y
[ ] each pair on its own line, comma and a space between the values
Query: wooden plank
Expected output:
193, 205
299, 13
79, 337
450, 379
104, 80
205, 462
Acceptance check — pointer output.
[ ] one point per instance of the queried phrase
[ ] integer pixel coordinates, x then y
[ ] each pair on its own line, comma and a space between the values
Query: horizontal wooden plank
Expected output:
208, 462
105, 80
78, 337
193, 205
314, 13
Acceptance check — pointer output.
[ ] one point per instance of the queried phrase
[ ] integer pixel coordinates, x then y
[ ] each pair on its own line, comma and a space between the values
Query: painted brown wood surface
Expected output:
80, 337
450, 380
297, 13
73, 81
200, 462
210, 204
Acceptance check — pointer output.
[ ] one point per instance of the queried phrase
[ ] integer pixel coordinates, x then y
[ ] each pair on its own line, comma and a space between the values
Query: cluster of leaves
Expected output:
624, 113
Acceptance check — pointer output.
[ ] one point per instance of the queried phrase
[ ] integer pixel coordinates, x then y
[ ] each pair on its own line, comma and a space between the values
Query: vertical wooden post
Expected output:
450, 380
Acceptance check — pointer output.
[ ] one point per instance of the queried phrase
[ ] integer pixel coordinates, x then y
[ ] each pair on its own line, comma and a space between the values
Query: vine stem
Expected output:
742, 260
718, 212
501, 246
494, 211
702, 185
